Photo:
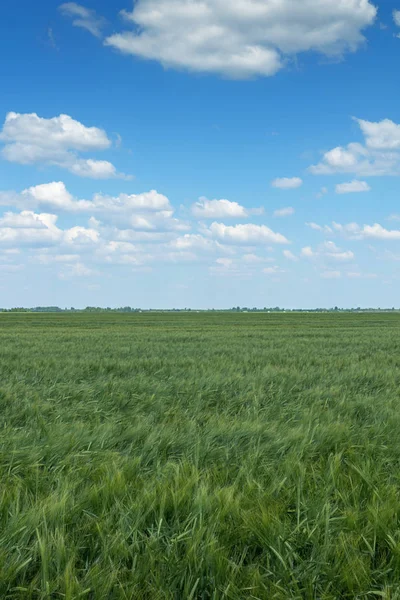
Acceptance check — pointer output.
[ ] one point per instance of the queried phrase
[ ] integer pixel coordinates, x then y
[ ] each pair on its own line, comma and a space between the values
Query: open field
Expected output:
199, 456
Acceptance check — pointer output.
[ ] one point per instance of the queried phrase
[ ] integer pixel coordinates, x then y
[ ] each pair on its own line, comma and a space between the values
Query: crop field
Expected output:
200, 456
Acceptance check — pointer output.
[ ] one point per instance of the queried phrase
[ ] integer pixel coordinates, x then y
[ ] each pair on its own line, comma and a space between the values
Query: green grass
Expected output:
200, 456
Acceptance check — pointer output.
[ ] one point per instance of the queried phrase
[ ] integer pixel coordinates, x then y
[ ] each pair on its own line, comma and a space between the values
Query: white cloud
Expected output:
177, 257
379, 155
81, 236
58, 132
378, 232
396, 17
384, 135
130, 260
95, 169
76, 270
307, 252
83, 17
54, 195
225, 262
30, 139
254, 259
340, 159
328, 251
146, 202
330, 247
341, 256
44, 258
358, 275
284, 212
350, 230
331, 274
352, 187
360, 232
122, 247
145, 237
218, 209
316, 227
147, 211
246, 235
28, 220
272, 270
29, 229
290, 256
78, 249
244, 38
194, 242
287, 183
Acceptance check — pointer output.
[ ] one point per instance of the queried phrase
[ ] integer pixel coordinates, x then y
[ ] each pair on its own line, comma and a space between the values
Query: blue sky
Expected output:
181, 153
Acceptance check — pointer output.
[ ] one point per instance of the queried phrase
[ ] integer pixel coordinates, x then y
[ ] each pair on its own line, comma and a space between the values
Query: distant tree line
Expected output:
237, 309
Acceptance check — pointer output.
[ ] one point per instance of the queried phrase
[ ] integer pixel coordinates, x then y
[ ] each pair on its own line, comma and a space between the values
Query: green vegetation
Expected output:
199, 456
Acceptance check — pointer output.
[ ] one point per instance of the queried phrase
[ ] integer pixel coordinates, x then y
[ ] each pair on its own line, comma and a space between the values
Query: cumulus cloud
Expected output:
95, 169
328, 251
290, 256
331, 274
246, 235
195, 242
241, 39
29, 229
144, 237
81, 236
341, 256
41, 230
332, 252
30, 139
218, 209
83, 17
28, 220
50, 195
254, 259
133, 231
396, 17
384, 135
287, 183
147, 211
316, 227
307, 252
284, 212
379, 155
378, 232
359, 232
272, 270
147, 201
58, 132
352, 187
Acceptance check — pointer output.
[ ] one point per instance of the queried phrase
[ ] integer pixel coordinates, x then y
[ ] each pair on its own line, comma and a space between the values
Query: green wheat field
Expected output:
200, 456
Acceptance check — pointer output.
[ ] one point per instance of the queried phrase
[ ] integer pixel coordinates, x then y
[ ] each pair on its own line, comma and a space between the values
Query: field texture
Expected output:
200, 456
